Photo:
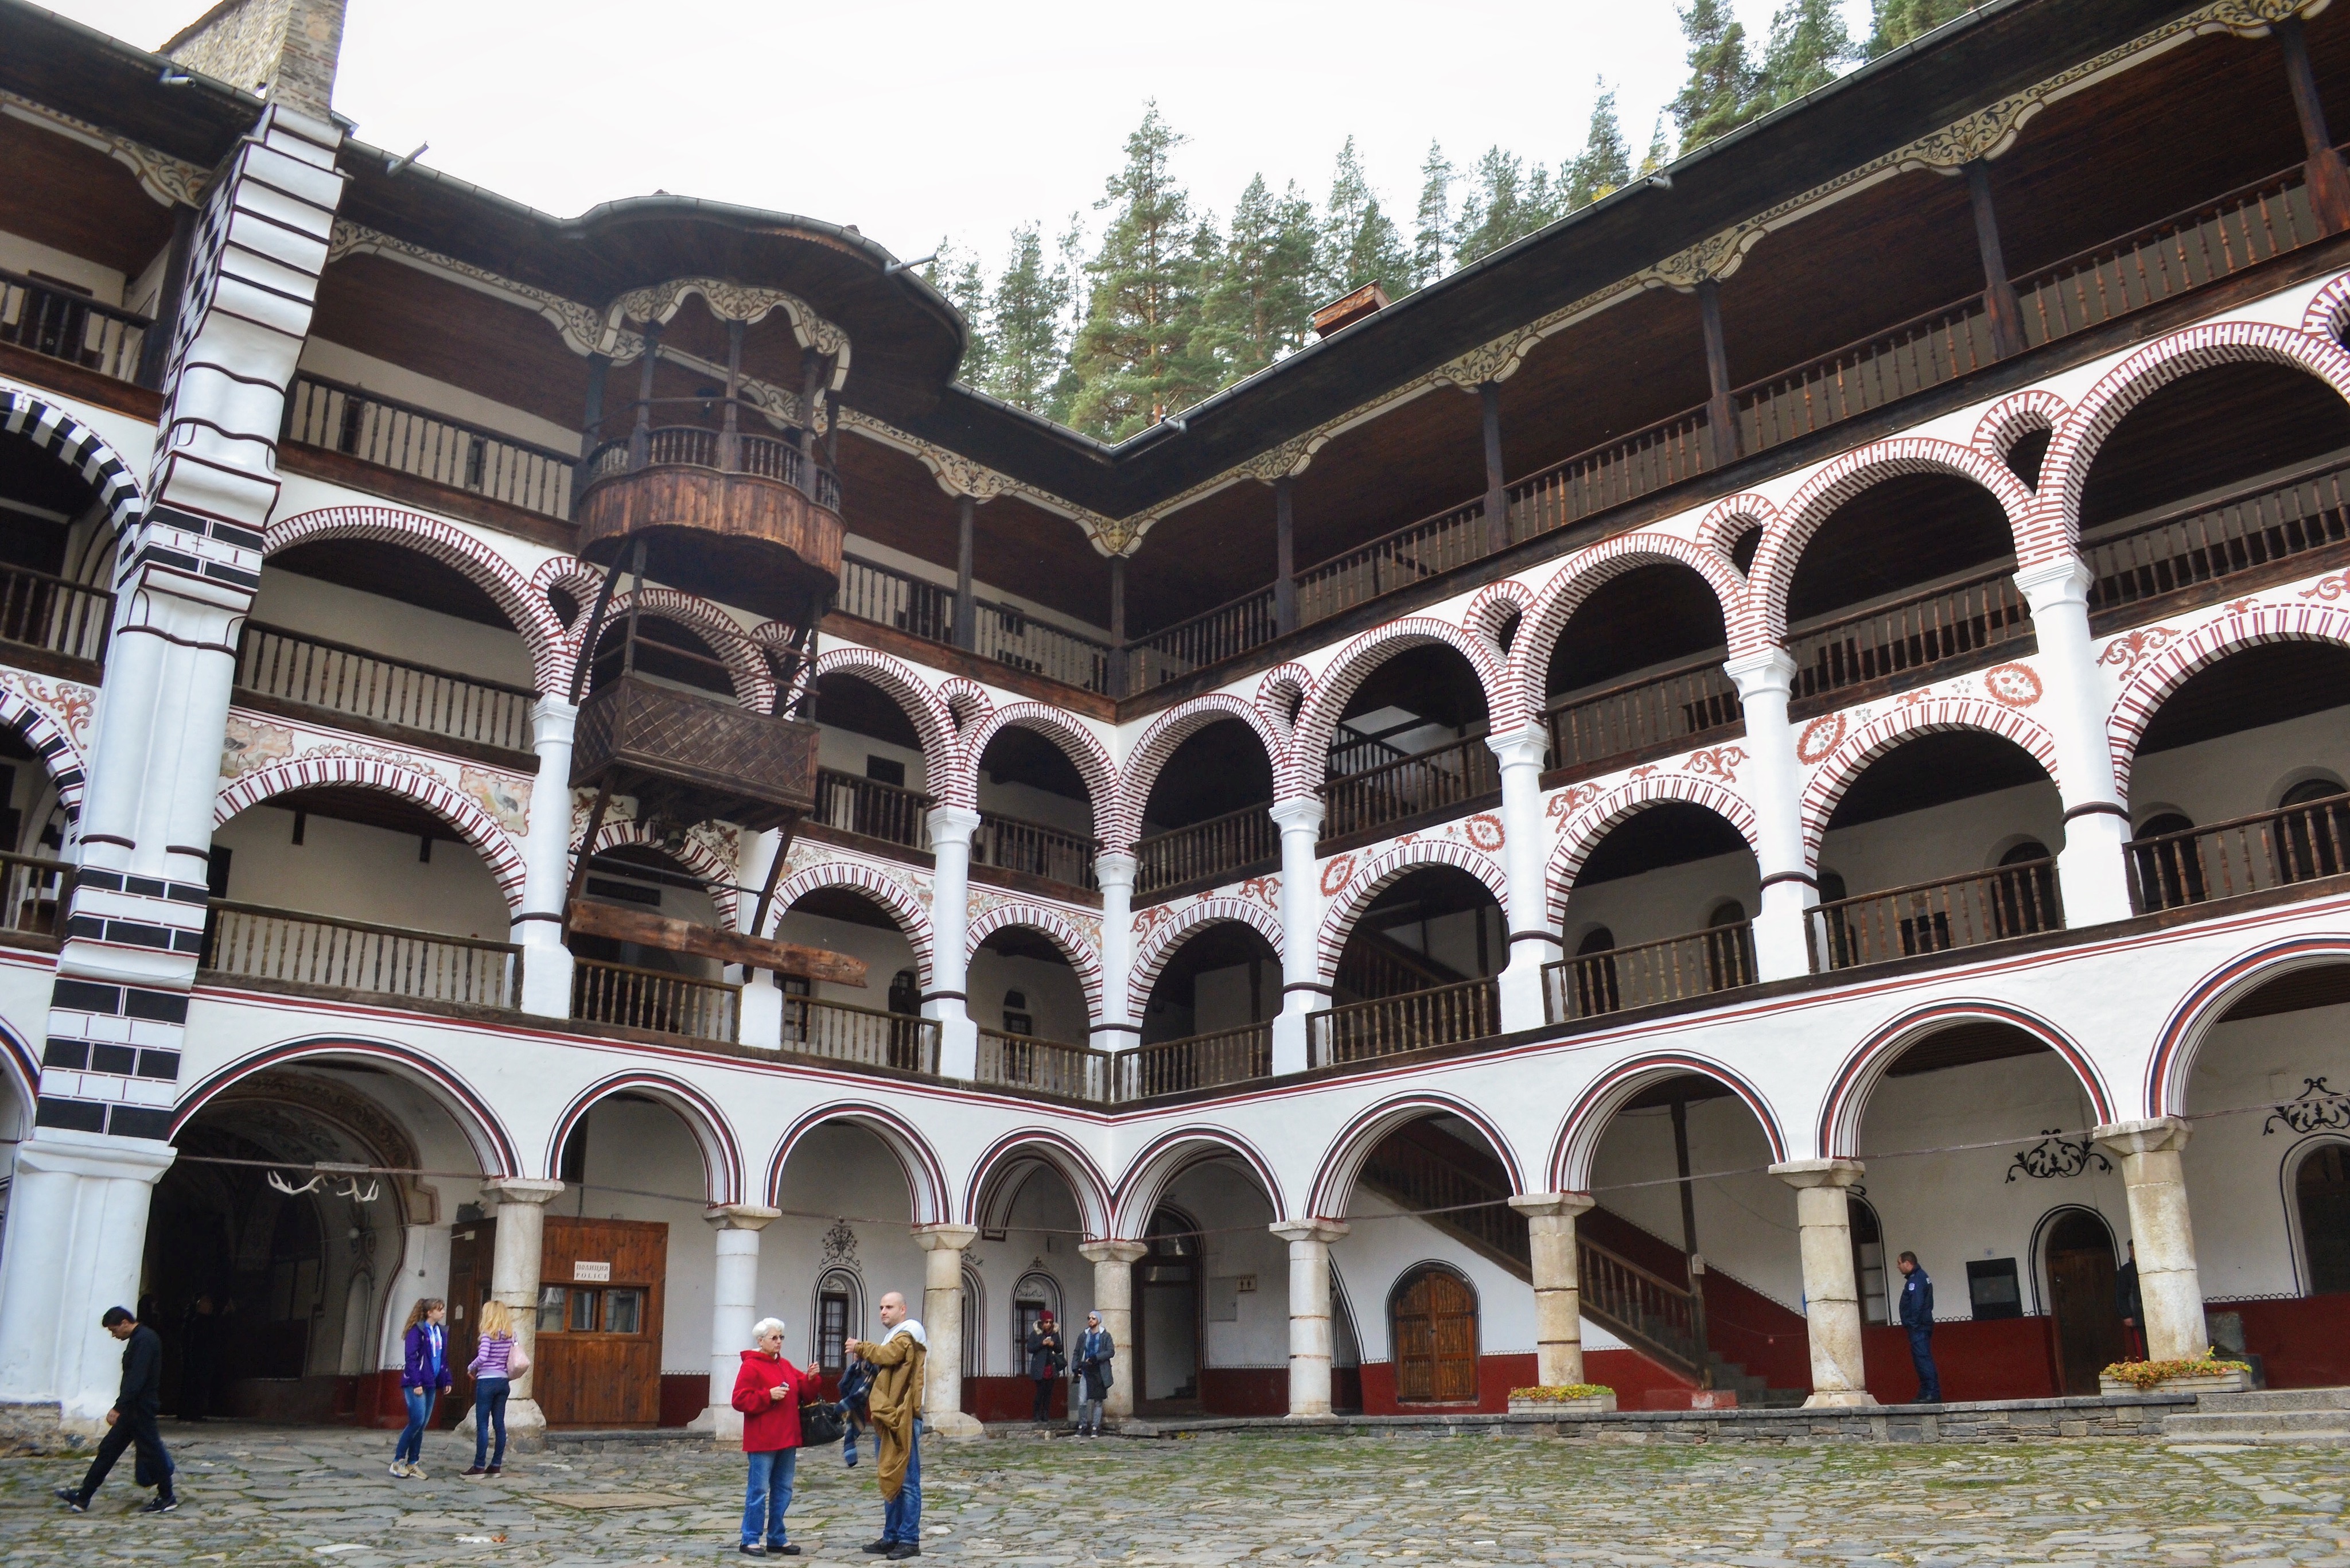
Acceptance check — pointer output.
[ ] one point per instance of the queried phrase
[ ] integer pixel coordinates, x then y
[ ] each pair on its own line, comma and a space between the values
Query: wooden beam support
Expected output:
966, 615
1719, 417
651, 930
2329, 181
1999, 303
1497, 491
1285, 558
1117, 663
1689, 1255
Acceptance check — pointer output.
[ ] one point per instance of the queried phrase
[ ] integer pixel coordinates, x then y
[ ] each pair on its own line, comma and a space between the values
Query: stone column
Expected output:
1558, 1288
1309, 1311
946, 1001
1774, 784
2090, 866
2169, 1285
547, 854
1117, 1028
76, 1233
1533, 943
1302, 990
942, 1408
1831, 1295
514, 1277
733, 1308
1113, 1264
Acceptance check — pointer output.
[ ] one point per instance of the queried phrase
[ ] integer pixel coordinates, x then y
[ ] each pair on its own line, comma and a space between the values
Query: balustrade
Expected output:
887, 596
63, 324
1442, 1015
2243, 855
1590, 731
250, 941
416, 440
1882, 369
1625, 1296
1448, 776
872, 809
2208, 541
728, 452
1935, 917
655, 1000
1035, 850
1719, 957
68, 618
1205, 851
842, 1032
291, 666
1047, 1067
1224, 632
1197, 1062
33, 887
1961, 621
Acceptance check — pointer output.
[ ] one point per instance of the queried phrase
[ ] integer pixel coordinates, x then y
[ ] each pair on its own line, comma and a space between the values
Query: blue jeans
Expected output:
901, 1518
410, 1447
1921, 1355
490, 1405
768, 1494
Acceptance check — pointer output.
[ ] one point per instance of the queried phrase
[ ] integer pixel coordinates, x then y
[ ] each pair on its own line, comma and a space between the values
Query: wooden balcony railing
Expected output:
1606, 476
844, 1032
1448, 776
1033, 849
1935, 917
1445, 1015
392, 434
1882, 369
1211, 849
1392, 561
292, 667
33, 888
74, 327
1961, 621
1005, 633
887, 596
1624, 1296
1224, 632
253, 942
656, 999
875, 810
1589, 729
1047, 1067
698, 446
1453, 1194
2209, 541
2245, 854
1196, 1061
37, 610
1719, 957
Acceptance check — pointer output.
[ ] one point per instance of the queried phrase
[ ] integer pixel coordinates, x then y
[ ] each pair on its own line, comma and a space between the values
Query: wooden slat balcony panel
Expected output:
252, 942
1206, 852
1588, 985
869, 808
1051, 855
2258, 533
864, 1036
1365, 1031
1935, 917
1951, 627
33, 889
2251, 854
1654, 715
1197, 1062
398, 694
389, 433
1045, 1066
655, 1000
1441, 780
73, 328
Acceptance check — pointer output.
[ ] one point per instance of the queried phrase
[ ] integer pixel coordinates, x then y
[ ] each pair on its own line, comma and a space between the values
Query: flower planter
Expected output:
1600, 1404
2235, 1380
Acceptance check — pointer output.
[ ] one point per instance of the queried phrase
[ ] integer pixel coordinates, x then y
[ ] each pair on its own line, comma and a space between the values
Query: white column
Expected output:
1302, 990
947, 1001
547, 857
1113, 1264
1831, 1295
1774, 788
1309, 1311
2090, 869
77, 1236
942, 1248
1532, 942
1117, 1028
1558, 1285
2169, 1285
760, 1021
514, 1277
733, 1308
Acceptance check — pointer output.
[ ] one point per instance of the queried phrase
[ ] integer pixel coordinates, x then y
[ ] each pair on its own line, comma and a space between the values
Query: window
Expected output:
1991, 1288
2024, 901
2170, 874
2316, 836
583, 1312
831, 1332
564, 1309
1018, 1019
883, 770
624, 1312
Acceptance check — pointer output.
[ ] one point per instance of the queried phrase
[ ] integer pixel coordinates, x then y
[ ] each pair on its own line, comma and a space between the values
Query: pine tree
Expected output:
1606, 162
1502, 205
1898, 21
1134, 357
1724, 91
1028, 342
1660, 149
1432, 238
1808, 47
955, 273
1261, 304
1359, 242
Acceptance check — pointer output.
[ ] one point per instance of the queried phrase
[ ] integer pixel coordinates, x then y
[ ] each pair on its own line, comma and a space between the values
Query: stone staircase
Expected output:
2268, 1416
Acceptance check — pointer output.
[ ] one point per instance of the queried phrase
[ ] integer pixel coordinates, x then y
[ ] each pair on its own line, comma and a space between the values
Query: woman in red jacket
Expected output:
767, 1391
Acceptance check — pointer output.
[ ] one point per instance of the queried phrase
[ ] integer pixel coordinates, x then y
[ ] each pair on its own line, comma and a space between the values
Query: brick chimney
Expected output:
283, 49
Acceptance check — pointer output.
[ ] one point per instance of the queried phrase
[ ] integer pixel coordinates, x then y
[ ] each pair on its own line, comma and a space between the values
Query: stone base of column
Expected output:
955, 1424
1840, 1399
525, 1426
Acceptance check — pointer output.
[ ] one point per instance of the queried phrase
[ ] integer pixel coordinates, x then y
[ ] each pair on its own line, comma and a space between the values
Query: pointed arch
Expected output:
696, 856
1341, 1163
1586, 1121
1158, 1163
914, 919
1041, 1146
1078, 743
1168, 731
1585, 572
491, 841
1359, 886
468, 1107
1906, 721
1838, 1135
1081, 948
721, 1155
1165, 937
57, 432
2207, 1002
2157, 661
1591, 817
926, 1179
923, 708
1328, 696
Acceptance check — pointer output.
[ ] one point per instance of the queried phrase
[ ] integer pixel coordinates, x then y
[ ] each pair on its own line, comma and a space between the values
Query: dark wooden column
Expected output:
641, 433
1285, 559
1116, 626
591, 426
811, 373
729, 443
1690, 1257
1999, 303
1719, 417
155, 348
1497, 491
966, 615
2329, 181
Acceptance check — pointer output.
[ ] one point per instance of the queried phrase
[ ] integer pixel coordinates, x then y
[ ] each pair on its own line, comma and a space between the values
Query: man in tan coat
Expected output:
896, 1403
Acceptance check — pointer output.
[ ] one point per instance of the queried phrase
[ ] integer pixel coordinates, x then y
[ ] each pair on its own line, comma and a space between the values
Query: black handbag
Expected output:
821, 1423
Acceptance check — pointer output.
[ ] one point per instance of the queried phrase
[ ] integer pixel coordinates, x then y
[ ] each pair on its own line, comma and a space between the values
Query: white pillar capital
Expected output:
1551, 1205
1309, 1232
553, 720
1114, 870
1117, 1253
1806, 1173
945, 1237
2159, 1135
504, 1189
2045, 585
1765, 670
1523, 747
952, 825
1298, 813
741, 1217
62, 1150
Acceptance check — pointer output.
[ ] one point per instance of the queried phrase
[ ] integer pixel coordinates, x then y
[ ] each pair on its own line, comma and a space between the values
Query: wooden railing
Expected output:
35, 889
1047, 1067
1448, 775
844, 1032
2213, 540
1608, 476
655, 999
1374, 964
1012, 843
71, 327
1392, 561
1588, 729
1362, 1031
1881, 368
2244, 855
253, 942
887, 596
875, 810
392, 434
1628, 1300
292, 667
698, 446
1211, 637
1935, 917
1004, 632
39, 610
1956, 622
1589, 984
1213, 848
1451, 1193
1196, 1061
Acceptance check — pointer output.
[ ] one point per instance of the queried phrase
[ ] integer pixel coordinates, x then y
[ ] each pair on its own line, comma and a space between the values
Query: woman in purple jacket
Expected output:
423, 1380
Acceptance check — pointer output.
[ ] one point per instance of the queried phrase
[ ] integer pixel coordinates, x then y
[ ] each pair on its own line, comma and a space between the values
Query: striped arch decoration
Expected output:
1168, 731
967, 703
2012, 419
1157, 1165
1835, 483
2208, 1000
695, 854
1495, 606
526, 607
1362, 884
960, 786
1342, 1162
1728, 519
2327, 314
1281, 694
755, 683
45, 714
926, 1177
2057, 523
468, 1107
475, 826
1082, 951
1317, 720
1166, 939
1587, 1122
1592, 821
1039, 1145
2157, 661
1582, 574
934, 725
22, 1067
722, 1157
1838, 1133
78, 446
913, 918
1907, 721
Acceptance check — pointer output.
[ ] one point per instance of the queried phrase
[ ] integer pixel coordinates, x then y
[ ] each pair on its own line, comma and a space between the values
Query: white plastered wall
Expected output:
354, 872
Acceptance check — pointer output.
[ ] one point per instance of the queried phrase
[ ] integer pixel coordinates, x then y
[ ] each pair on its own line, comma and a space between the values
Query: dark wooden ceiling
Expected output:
1671, 833
1934, 770
2254, 686
1219, 769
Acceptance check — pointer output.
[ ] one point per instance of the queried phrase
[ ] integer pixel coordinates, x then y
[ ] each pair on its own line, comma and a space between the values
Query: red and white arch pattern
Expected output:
1365, 883
1167, 938
1081, 948
1907, 721
477, 828
914, 919
697, 856
1169, 730
960, 783
923, 708
2152, 683
1326, 700
1584, 574
1595, 818
713, 1136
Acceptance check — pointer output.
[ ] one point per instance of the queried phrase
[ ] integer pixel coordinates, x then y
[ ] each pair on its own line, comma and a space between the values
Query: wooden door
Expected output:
1435, 1339
2081, 1294
599, 1322
473, 1243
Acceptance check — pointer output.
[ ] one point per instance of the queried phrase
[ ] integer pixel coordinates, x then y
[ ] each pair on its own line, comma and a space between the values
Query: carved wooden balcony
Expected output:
691, 758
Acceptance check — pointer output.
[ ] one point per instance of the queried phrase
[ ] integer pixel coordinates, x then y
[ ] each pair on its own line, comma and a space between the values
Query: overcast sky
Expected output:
916, 118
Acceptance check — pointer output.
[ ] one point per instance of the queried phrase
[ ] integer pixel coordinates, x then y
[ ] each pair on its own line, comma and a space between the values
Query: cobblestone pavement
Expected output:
256, 1496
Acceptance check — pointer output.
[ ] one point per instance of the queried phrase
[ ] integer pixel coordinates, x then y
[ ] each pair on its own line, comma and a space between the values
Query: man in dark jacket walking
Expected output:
1917, 1317
132, 1419
1044, 1364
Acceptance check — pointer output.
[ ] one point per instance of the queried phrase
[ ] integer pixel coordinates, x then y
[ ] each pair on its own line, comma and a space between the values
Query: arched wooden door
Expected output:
2080, 1297
1435, 1337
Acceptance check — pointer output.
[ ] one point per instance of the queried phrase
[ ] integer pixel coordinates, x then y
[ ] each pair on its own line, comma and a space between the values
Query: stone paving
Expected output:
262, 1496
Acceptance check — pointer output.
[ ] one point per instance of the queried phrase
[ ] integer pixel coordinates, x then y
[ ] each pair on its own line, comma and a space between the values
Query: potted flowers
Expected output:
1552, 1400
2204, 1373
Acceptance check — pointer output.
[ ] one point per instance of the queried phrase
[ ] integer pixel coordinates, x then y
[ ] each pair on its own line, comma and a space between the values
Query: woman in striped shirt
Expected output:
496, 1362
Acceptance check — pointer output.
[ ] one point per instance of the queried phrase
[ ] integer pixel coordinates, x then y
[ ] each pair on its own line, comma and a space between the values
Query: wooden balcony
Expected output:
49, 624
1441, 1015
1042, 1066
1935, 917
1596, 730
1034, 850
1924, 636
1197, 1062
695, 758
33, 888
278, 667
2285, 525
2243, 855
999, 632
656, 1000
285, 947
333, 416
871, 809
1672, 968
864, 1036
1207, 854
58, 323
1442, 782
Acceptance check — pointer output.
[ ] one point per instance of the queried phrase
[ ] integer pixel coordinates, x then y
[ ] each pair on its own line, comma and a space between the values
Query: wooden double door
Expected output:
1435, 1326
597, 1356
2081, 1298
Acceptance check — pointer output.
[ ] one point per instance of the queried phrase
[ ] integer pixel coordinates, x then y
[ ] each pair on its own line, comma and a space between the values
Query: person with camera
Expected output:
767, 1393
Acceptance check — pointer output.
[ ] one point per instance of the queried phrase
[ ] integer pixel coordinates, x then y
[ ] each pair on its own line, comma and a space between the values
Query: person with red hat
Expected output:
1045, 1364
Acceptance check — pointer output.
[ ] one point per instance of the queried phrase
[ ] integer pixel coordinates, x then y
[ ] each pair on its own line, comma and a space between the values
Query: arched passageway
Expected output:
1037, 818
1416, 967
1637, 672
1204, 821
873, 777
1409, 746
1661, 908
1209, 1017
878, 1023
